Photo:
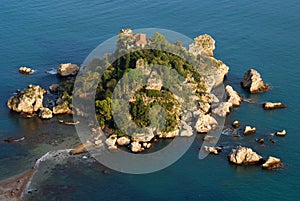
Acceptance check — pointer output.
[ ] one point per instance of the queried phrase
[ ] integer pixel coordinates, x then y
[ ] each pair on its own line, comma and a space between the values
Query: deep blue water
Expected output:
249, 34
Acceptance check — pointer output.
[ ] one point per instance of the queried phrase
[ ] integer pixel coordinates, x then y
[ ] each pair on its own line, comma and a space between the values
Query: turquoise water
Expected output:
249, 34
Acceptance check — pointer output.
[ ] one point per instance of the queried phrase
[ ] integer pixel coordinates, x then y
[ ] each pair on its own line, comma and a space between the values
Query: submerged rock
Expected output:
270, 105
28, 101
210, 138
281, 133
67, 69
233, 97
53, 88
45, 113
249, 130
260, 140
81, 148
272, 163
243, 155
253, 82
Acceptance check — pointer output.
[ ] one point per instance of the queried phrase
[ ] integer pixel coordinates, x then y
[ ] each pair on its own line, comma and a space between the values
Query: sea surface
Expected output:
260, 34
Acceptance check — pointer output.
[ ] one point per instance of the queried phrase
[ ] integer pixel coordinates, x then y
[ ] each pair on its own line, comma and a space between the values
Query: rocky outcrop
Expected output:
62, 108
213, 150
223, 109
28, 101
45, 113
272, 163
206, 123
249, 130
203, 44
136, 147
271, 106
170, 134
53, 88
81, 148
123, 141
233, 97
143, 137
67, 69
220, 73
25, 70
260, 140
253, 82
243, 155
281, 133
185, 129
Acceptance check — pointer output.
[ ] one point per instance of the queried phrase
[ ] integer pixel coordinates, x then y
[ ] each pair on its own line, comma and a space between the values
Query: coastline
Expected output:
12, 189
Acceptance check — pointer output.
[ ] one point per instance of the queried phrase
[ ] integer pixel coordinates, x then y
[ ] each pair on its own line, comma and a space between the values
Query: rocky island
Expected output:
208, 76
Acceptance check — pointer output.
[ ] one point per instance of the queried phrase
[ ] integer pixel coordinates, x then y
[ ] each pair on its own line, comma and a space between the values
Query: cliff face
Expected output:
28, 101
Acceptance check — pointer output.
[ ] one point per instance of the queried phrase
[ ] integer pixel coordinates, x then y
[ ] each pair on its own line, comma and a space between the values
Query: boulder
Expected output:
123, 141
253, 82
203, 44
45, 113
233, 97
67, 69
147, 145
271, 106
249, 130
236, 124
136, 147
28, 101
206, 123
62, 108
223, 109
243, 155
281, 133
213, 150
111, 142
272, 163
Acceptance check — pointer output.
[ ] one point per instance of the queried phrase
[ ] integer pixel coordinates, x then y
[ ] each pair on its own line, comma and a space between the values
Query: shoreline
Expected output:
13, 188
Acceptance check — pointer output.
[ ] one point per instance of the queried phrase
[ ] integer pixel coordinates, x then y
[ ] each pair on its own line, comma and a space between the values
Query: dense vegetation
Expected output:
157, 53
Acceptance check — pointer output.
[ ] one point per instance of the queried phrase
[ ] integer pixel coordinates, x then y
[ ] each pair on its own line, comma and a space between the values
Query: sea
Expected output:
259, 34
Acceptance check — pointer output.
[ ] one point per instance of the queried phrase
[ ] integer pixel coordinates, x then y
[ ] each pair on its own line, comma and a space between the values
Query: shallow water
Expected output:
249, 34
